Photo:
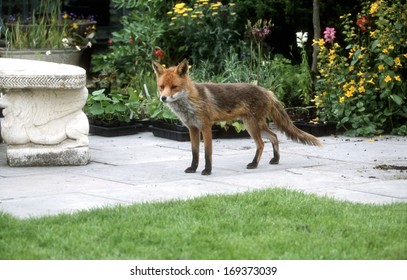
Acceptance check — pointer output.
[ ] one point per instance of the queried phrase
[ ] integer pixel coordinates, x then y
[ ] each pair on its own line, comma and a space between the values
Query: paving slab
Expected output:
143, 168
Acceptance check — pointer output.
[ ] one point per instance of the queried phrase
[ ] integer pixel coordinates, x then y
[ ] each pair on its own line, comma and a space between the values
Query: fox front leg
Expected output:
194, 138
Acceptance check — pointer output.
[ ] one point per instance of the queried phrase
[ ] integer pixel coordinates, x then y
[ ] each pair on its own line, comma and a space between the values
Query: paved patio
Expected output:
142, 168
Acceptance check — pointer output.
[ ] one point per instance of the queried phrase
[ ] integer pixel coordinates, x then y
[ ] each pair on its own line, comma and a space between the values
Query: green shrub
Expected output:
201, 30
134, 46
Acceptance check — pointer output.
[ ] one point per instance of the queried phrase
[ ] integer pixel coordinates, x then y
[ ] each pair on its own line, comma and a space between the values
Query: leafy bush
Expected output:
362, 85
134, 46
201, 30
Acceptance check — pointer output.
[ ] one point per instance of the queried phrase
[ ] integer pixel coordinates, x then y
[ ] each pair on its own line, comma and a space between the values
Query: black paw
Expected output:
252, 165
190, 170
274, 161
206, 172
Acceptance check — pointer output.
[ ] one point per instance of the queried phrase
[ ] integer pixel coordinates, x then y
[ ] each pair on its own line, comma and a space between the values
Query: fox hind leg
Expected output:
267, 132
255, 132
207, 137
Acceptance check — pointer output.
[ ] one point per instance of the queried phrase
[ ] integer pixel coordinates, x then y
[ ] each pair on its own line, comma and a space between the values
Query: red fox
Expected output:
199, 105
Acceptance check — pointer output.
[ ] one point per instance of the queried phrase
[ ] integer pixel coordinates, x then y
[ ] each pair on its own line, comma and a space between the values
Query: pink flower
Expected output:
131, 40
110, 42
159, 54
329, 34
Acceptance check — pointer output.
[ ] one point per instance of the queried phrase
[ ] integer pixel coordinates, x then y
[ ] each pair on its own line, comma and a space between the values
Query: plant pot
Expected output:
301, 113
112, 129
317, 129
68, 56
169, 130
230, 133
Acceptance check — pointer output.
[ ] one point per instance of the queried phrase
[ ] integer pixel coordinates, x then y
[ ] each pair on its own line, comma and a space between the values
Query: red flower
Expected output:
131, 40
362, 22
159, 54
110, 42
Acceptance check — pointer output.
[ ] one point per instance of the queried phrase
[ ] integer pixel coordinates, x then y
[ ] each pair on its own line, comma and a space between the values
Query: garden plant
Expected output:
362, 82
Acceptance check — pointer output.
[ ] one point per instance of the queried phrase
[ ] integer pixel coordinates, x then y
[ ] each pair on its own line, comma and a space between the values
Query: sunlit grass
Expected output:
270, 224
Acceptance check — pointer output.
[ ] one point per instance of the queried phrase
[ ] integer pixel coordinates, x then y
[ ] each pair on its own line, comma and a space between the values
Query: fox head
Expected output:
172, 82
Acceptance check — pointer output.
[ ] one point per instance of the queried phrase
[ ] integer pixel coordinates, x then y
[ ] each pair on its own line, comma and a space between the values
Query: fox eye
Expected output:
162, 87
173, 87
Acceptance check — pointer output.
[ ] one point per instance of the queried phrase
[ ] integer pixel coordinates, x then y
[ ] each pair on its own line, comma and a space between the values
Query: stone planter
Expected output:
67, 56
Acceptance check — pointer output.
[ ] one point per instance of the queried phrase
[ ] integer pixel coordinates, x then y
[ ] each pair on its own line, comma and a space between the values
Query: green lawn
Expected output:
270, 224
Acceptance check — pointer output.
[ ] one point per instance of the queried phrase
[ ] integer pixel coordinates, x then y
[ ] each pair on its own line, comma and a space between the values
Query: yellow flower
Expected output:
345, 86
348, 94
320, 42
216, 5
380, 67
391, 47
405, 55
180, 11
371, 81
352, 82
351, 68
74, 25
397, 62
372, 34
387, 79
341, 99
385, 51
179, 5
361, 89
350, 91
373, 7
359, 73
397, 78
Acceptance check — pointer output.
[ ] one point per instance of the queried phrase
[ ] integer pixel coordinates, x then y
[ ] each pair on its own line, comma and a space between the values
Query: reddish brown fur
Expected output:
200, 105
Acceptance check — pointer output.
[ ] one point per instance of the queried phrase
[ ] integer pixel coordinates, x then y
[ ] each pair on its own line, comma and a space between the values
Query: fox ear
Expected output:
182, 68
158, 68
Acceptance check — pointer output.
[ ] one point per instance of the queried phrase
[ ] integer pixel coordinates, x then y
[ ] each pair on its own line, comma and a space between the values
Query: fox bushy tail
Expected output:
284, 124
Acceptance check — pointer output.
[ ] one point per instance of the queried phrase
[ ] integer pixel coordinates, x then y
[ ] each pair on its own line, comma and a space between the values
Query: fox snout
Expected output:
174, 97
163, 98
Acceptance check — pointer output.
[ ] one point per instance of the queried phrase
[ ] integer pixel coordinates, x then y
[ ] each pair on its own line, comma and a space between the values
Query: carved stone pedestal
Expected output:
44, 124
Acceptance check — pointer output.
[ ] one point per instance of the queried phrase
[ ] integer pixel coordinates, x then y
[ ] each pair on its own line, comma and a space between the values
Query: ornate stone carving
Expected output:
43, 104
